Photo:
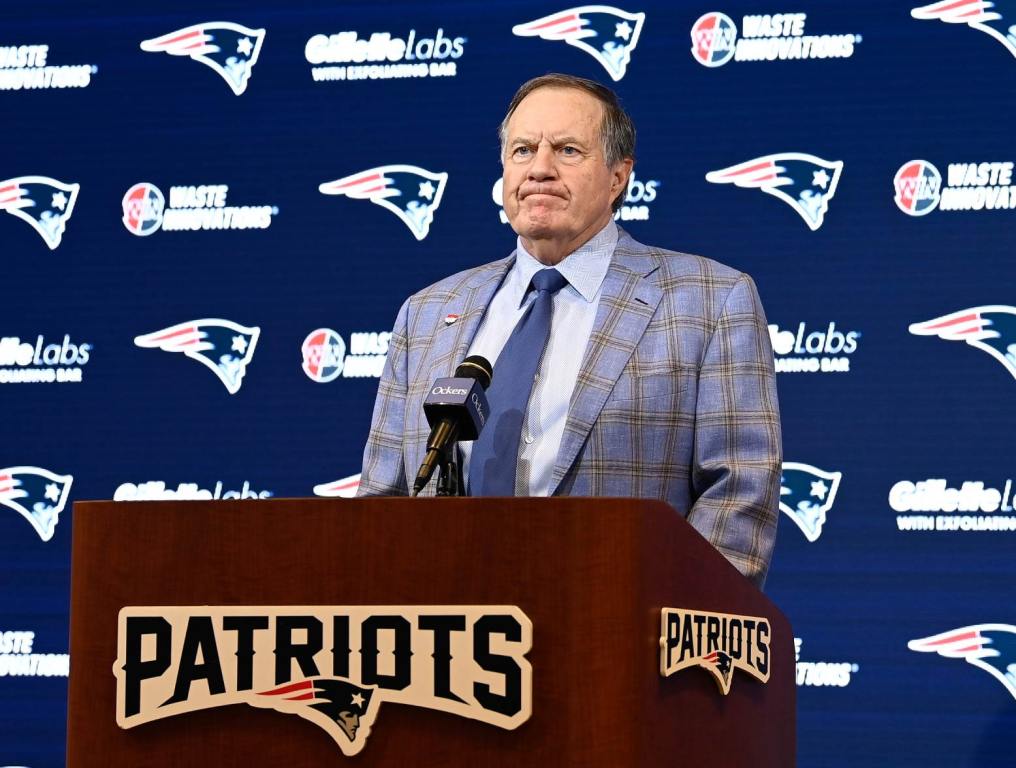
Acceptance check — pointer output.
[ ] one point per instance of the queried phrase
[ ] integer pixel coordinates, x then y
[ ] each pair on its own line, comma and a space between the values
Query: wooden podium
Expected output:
592, 575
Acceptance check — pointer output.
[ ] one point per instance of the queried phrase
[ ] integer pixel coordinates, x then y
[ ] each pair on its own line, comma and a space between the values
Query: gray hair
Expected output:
617, 131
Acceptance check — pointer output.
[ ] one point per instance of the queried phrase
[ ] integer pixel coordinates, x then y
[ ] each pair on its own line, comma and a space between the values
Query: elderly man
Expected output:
619, 369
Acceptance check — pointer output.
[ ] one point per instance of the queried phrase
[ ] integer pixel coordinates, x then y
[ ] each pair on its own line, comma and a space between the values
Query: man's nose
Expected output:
543, 168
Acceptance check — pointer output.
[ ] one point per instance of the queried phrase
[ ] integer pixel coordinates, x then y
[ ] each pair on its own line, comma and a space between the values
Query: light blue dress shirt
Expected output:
571, 325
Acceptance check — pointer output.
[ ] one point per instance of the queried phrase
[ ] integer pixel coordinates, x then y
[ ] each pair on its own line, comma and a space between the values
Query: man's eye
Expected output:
570, 151
521, 151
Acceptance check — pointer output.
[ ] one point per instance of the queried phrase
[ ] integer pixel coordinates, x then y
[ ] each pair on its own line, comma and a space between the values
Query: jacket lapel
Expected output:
452, 340
628, 302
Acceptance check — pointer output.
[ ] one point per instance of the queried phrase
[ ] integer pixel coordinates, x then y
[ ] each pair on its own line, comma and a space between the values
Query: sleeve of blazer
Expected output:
384, 469
738, 453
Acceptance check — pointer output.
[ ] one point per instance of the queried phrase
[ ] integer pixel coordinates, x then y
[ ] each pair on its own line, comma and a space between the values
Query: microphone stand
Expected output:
448, 478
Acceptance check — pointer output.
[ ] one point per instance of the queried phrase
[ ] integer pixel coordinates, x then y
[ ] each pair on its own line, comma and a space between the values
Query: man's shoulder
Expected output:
456, 284
670, 265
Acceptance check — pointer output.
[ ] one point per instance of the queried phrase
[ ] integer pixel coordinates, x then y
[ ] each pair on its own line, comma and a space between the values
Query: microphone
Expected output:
456, 409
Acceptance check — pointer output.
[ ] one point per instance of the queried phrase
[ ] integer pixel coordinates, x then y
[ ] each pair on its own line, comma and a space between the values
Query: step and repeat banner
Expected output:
212, 212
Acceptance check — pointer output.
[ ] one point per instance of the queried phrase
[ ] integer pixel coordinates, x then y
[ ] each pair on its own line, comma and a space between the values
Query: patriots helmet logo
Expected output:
991, 647
411, 193
804, 182
345, 710
345, 487
230, 49
807, 493
607, 34
997, 18
224, 347
721, 666
991, 329
43, 202
36, 494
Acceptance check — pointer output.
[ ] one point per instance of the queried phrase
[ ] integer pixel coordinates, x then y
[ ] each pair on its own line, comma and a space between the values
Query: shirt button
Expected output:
529, 439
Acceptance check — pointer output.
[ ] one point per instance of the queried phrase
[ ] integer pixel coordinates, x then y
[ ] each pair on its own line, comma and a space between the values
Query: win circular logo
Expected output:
142, 209
324, 353
918, 187
713, 39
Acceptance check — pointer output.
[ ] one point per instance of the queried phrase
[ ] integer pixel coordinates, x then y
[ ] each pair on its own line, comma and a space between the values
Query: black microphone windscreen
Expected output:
476, 367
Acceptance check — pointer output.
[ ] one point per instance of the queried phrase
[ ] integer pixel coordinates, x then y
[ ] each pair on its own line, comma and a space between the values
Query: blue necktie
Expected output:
495, 453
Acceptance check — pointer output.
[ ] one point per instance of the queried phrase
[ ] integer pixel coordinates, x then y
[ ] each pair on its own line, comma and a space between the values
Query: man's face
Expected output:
557, 185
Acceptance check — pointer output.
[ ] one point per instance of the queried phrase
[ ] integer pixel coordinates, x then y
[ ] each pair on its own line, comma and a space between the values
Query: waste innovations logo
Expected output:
968, 505
36, 362
985, 186
43, 202
18, 657
804, 182
991, 329
157, 490
325, 355
607, 34
36, 494
990, 647
191, 209
636, 205
222, 346
764, 37
717, 642
804, 351
331, 665
995, 18
807, 494
345, 487
383, 56
410, 192
27, 67
823, 674
230, 49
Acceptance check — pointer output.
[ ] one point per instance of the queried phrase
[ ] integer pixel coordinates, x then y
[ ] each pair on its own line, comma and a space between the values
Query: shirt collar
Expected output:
584, 268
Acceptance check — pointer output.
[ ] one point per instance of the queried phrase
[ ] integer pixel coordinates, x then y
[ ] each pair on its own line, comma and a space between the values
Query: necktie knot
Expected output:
549, 280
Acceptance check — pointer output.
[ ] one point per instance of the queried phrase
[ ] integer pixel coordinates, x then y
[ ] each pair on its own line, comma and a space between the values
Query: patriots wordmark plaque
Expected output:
331, 665
717, 642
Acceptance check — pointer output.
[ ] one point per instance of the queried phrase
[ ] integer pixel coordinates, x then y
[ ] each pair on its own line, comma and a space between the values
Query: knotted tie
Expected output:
495, 453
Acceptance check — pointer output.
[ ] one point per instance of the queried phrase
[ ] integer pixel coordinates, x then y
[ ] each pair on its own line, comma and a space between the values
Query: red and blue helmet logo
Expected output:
804, 182
991, 647
807, 493
991, 329
713, 39
607, 34
324, 354
36, 494
997, 18
222, 346
410, 192
230, 49
143, 206
45, 203
918, 186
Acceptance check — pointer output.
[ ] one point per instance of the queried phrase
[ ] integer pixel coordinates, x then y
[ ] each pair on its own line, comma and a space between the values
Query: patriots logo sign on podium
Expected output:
45, 203
36, 494
993, 17
222, 346
607, 34
991, 329
230, 49
804, 182
991, 647
410, 192
807, 493
331, 665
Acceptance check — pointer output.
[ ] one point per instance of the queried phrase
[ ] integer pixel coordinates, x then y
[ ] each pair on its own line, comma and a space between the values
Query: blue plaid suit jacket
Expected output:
675, 399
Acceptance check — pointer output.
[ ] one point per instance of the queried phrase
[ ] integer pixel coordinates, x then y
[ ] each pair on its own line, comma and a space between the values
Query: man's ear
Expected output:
621, 172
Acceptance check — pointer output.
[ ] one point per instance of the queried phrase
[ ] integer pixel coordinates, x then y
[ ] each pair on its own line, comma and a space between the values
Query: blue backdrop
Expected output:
188, 313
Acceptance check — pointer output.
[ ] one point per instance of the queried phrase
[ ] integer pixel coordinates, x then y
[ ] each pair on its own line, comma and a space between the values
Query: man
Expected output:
657, 378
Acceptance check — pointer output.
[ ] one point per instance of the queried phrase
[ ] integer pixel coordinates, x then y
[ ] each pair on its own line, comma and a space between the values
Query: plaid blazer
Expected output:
675, 398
